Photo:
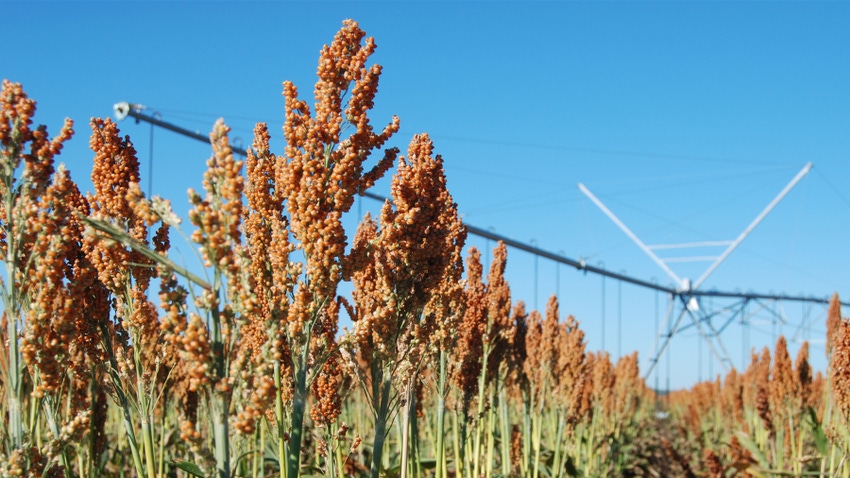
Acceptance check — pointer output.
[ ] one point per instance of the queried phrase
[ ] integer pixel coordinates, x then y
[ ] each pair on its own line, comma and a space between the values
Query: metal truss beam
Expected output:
683, 293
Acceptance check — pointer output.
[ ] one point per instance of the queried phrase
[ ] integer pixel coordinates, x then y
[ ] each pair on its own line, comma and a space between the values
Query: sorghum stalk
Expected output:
11, 299
14, 391
560, 421
384, 387
339, 459
256, 451
528, 429
537, 431
283, 455
299, 404
127, 420
407, 389
459, 430
220, 399
440, 452
505, 433
479, 416
415, 439
491, 435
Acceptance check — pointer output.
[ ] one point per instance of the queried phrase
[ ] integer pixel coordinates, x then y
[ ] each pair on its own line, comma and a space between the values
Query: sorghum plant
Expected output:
398, 266
27, 217
137, 356
318, 178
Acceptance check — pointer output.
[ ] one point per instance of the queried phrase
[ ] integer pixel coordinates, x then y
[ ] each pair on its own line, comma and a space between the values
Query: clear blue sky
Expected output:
685, 118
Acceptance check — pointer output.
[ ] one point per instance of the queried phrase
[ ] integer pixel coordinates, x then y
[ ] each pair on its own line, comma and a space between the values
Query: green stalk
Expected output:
54, 429
416, 465
491, 435
330, 458
11, 302
34, 420
796, 464
440, 452
16, 421
161, 471
147, 446
457, 447
556, 462
591, 440
299, 404
383, 398
221, 435
124, 404
257, 452
405, 429
81, 465
482, 381
220, 400
131, 435
537, 430
145, 417
463, 462
262, 453
281, 429
505, 428
340, 460
414, 441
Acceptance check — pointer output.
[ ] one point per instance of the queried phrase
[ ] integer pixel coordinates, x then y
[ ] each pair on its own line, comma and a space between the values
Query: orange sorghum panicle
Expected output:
533, 346
326, 389
328, 383
368, 291
571, 368
781, 377
50, 316
218, 215
840, 368
467, 360
196, 351
500, 327
320, 173
833, 321
818, 397
732, 400
627, 385
713, 464
420, 239
267, 237
517, 377
803, 378
761, 369
16, 112
551, 334
115, 169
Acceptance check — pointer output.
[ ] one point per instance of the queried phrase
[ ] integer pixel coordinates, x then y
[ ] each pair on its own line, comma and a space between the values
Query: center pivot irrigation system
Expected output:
684, 300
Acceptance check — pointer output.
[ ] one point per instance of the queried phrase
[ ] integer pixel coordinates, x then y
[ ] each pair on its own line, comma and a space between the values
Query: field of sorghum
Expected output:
240, 370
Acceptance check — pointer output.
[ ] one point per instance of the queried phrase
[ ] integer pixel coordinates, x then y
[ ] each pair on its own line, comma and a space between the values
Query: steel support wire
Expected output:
725, 359
653, 360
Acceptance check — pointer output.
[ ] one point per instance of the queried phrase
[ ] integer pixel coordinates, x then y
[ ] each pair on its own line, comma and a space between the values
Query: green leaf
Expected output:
115, 233
821, 442
754, 450
188, 467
